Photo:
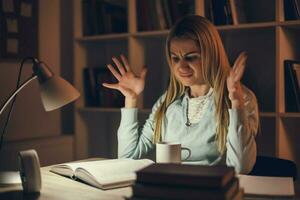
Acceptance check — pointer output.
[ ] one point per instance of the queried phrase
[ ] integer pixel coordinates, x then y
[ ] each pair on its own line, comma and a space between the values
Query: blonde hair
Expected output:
215, 69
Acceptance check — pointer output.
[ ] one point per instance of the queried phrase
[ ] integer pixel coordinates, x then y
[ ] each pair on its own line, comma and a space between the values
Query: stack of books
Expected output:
176, 181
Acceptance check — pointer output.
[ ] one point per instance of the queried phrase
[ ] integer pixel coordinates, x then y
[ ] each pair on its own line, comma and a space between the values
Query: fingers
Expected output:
111, 85
125, 62
239, 66
143, 73
123, 68
119, 65
126, 92
114, 72
240, 60
239, 72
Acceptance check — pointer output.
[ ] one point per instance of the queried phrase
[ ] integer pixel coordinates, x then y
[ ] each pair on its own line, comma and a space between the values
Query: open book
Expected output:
103, 174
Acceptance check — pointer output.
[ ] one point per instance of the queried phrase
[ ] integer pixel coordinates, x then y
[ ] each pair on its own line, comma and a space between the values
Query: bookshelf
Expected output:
267, 38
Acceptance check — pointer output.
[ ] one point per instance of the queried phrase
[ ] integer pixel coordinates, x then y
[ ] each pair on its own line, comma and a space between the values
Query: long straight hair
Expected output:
215, 69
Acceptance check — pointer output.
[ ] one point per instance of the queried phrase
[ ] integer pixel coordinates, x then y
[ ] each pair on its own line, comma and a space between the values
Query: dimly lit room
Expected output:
149, 99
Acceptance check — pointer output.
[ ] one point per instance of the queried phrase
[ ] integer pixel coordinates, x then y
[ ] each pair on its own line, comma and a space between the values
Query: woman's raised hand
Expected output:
129, 84
233, 81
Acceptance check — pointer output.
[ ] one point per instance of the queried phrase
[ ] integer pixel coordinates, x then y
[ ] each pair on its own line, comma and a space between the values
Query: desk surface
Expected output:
58, 187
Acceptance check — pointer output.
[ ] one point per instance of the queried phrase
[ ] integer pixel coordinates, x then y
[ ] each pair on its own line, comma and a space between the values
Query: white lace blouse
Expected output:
197, 106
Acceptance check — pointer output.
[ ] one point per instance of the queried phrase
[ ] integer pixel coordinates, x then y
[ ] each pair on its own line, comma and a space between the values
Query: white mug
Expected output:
170, 152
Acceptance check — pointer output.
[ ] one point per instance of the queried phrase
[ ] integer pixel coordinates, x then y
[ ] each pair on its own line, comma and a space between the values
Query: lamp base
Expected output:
10, 178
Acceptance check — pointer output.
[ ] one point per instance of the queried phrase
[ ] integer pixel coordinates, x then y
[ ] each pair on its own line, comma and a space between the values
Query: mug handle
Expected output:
187, 149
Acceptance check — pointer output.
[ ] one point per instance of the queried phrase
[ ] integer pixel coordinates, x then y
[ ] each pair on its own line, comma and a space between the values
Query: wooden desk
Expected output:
58, 187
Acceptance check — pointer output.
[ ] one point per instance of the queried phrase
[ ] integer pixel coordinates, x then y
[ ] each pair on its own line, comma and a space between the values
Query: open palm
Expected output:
129, 84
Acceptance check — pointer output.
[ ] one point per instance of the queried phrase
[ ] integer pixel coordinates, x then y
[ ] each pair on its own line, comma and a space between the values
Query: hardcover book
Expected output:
183, 192
187, 175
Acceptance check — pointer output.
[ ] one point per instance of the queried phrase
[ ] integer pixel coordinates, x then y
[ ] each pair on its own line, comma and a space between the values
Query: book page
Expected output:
110, 172
267, 186
66, 169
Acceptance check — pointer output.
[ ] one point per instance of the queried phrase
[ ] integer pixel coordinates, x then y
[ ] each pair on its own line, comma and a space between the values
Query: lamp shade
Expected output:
57, 92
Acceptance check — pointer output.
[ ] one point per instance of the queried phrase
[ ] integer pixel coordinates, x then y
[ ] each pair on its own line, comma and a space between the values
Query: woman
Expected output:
205, 107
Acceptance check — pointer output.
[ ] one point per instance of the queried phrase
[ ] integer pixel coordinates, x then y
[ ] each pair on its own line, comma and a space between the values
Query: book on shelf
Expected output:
143, 15
291, 9
180, 8
153, 15
115, 17
182, 192
292, 87
188, 175
95, 94
167, 13
103, 174
264, 186
209, 12
87, 16
297, 5
161, 14
221, 12
103, 16
238, 11
228, 12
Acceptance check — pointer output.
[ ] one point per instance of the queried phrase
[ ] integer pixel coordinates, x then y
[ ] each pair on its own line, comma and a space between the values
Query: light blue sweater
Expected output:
136, 142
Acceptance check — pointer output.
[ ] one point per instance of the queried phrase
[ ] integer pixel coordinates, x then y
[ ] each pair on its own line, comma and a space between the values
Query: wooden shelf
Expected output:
294, 23
290, 115
267, 114
151, 33
220, 28
117, 36
247, 26
120, 36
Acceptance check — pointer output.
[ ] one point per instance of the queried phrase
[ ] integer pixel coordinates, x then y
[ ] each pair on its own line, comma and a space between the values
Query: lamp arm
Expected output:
11, 97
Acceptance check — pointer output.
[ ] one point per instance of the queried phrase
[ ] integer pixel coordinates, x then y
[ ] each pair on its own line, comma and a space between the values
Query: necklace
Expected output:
196, 107
188, 123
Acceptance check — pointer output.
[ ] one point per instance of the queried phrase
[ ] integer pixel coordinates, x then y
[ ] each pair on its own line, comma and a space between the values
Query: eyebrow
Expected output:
192, 52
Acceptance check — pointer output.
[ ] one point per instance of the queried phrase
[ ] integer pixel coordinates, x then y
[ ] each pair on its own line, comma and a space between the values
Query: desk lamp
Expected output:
55, 91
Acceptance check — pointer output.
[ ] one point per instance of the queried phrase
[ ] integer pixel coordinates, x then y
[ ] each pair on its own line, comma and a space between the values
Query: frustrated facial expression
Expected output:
186, 62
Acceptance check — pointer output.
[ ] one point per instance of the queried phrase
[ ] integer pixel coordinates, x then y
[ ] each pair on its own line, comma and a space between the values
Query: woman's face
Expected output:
186, 61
